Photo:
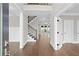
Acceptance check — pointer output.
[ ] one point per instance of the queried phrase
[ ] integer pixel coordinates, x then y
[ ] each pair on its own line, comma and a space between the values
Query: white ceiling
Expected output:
31, 10
74, 9
72, 13
38, 13
14, 9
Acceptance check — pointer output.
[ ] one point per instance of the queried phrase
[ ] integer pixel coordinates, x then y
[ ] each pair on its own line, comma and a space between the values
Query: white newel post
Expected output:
21, 30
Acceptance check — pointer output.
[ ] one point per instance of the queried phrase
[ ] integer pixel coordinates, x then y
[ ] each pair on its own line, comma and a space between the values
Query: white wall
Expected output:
14, 31
78, 30
68, 31
60, 7
14, 21
71, 29
14, 34
75, 19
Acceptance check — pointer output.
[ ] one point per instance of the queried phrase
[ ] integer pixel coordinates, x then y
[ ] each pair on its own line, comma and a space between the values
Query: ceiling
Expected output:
41, 9
74, 9
14, 9
72, 13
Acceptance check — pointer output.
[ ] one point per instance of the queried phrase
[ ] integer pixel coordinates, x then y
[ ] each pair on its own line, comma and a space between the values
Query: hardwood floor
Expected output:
43, 48
13, 47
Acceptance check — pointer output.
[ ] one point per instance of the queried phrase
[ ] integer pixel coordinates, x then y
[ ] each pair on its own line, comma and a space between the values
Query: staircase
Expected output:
32, 32
30, 18
32, 29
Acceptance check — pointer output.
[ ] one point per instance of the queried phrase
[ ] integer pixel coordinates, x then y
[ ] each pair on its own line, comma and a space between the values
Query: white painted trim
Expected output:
55, 32
14, 41
38, 7
21, 30
27, 42
24, 44
31, 40
70, 14
60, 46
52, 45
74, 42
62, 27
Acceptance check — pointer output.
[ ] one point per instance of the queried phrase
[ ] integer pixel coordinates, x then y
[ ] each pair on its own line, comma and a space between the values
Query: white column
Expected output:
21, 30
60, 35
55, 32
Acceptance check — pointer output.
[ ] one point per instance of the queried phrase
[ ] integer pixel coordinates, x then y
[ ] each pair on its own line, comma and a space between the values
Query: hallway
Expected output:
37, 19
39, 48
43, 48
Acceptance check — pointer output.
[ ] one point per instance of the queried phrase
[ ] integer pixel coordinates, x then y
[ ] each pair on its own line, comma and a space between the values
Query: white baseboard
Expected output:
14, 41
53, 46
74, 42
14, 34
31, 40
26, 43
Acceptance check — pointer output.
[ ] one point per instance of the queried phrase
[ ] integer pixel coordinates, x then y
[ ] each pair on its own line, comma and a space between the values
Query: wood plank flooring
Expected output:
42, 48
13, 47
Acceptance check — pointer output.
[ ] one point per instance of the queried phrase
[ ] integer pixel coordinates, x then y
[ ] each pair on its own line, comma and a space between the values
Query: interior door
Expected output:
77, 30
68, 31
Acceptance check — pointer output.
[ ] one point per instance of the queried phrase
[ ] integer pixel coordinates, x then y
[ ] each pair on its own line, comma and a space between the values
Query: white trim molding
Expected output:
70, 14
21, 30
